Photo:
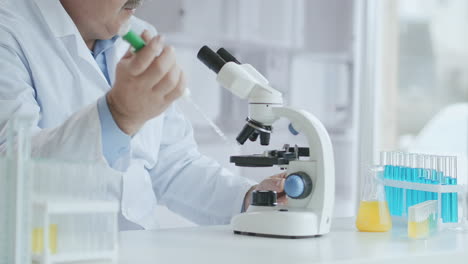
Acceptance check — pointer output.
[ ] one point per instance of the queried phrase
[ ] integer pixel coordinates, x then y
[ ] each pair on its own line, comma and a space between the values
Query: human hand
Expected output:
273, 183
146, 84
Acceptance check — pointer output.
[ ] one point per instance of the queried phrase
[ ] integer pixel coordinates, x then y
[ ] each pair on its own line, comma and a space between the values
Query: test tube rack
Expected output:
14, 193
77, 222
411, 179
83, 231
54, 211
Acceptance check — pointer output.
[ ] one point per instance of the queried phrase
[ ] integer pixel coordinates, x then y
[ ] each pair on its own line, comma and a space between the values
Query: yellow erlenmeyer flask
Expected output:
373, 214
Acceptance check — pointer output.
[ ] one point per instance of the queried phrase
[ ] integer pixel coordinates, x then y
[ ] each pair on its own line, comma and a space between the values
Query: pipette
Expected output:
138, 43
131, 37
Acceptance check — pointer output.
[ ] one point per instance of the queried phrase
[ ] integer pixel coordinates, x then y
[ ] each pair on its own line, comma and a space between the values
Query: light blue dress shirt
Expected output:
115, 143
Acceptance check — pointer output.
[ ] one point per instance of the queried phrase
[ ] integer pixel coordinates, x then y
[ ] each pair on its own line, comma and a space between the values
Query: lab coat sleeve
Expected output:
192, 184
78, 138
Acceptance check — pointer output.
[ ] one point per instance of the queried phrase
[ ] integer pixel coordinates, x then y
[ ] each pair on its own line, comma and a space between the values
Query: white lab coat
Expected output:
47, 71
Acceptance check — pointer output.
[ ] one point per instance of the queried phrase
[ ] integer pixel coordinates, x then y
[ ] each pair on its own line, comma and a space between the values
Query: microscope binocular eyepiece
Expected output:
252, 130
215, 60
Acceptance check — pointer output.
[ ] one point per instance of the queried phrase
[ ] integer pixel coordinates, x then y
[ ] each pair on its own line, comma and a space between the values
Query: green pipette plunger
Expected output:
135, 40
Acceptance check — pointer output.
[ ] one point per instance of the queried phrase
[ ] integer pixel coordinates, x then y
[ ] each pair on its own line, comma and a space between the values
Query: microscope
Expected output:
310, 182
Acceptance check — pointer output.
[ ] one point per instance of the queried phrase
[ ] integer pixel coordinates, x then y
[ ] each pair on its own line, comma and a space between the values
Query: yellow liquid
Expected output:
373, 216
38, 239
418, 229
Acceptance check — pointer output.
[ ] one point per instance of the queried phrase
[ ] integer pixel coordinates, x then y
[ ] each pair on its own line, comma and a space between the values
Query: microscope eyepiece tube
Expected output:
211, 59
228, 57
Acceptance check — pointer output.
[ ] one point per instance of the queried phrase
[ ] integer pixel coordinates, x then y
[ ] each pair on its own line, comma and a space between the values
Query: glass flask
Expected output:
373, 214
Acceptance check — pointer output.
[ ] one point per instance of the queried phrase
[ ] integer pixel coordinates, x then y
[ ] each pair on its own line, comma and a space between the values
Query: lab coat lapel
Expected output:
83, 52
115, 54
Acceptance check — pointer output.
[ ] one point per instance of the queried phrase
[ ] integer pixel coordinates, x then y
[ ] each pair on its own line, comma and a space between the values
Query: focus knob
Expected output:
298, 185
264, 198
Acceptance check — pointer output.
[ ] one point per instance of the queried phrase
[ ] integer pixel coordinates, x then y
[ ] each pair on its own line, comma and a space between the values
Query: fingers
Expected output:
160, 66
146, 36
128, 54
145, 57
280, 176
272, 184
179, 89
169, 82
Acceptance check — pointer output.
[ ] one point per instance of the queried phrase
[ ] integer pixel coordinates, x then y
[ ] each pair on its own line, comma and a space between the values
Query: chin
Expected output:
111, 31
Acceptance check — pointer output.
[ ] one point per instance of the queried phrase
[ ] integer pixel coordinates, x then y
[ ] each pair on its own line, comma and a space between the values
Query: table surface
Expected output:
217, 244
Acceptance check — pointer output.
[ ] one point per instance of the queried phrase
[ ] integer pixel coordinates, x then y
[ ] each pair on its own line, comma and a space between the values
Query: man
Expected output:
93, 99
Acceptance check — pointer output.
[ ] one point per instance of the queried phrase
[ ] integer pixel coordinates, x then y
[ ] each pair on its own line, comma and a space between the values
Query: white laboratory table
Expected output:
217, 244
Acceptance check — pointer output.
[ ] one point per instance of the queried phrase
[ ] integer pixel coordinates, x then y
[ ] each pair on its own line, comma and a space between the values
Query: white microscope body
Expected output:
310, 184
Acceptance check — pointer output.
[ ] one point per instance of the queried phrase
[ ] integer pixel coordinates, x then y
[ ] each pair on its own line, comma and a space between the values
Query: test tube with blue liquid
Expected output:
431, 173
396, 160
415, 174
392, 170
411, 177
440, 169
452, 180
425, 179
425, 172
403, 168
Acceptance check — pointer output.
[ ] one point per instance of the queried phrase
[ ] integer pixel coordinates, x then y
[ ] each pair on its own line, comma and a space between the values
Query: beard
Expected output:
133, 4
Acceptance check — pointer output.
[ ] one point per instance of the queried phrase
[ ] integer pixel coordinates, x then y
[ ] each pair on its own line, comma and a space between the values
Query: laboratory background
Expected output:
397, 80
388, 80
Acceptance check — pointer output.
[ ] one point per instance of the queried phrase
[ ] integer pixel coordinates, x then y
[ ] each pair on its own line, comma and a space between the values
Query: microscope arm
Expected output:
321, 154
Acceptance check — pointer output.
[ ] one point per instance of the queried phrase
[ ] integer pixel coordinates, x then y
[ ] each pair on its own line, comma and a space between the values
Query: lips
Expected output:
133, 4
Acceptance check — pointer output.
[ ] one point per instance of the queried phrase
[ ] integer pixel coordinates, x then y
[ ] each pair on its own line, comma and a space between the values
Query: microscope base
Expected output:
276, 223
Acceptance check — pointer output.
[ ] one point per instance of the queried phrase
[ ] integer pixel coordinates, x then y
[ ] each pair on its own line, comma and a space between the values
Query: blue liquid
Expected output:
454, 202
400, 172
445, 200
388, 195
400, 199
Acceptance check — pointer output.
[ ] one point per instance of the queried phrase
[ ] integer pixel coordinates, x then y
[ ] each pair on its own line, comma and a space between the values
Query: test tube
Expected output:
449, 181
397, 173
391, 175
409, 178
453, 181
441, 168
383, 158
427, 173
425, 179
403, 176
417, 172
385, 162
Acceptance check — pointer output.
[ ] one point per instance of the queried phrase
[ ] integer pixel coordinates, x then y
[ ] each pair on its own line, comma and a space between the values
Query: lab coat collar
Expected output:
57, 18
